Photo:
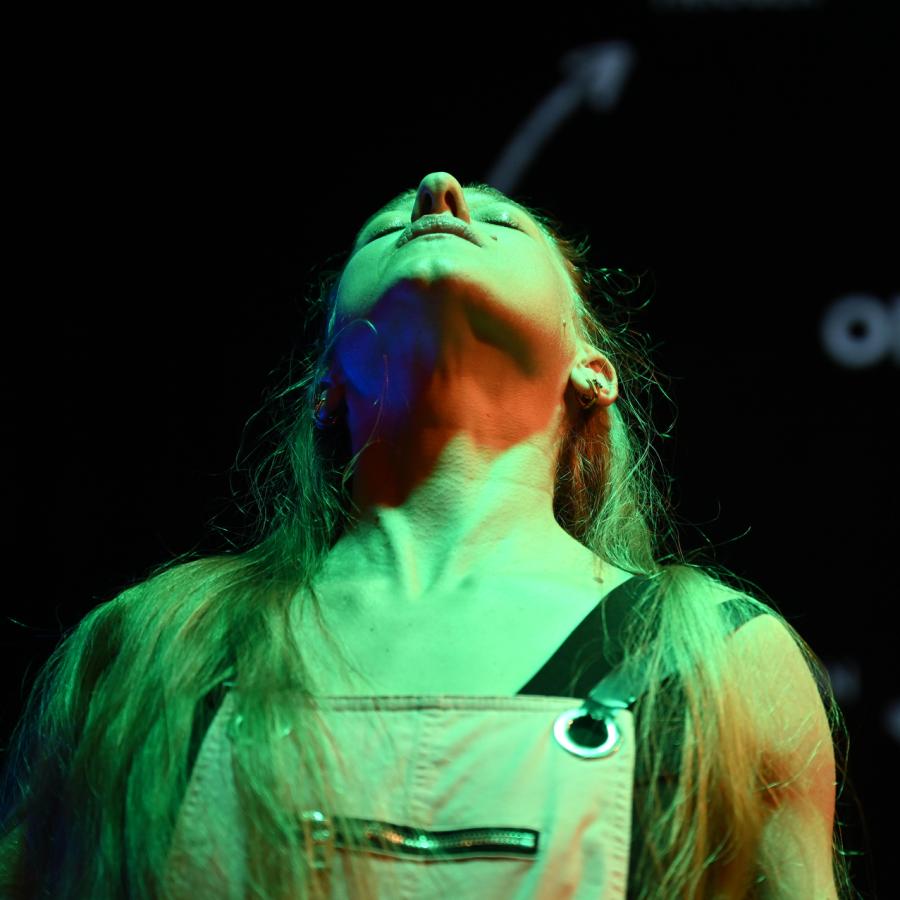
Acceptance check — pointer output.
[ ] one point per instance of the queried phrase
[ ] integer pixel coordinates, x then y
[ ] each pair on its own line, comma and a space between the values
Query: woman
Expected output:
339, 710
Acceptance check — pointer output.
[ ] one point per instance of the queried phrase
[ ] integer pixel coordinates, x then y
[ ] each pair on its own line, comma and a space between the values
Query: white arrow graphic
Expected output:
595, 75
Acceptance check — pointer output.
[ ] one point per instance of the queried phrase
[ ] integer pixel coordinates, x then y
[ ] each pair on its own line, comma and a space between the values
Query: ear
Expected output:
592, 365
332, 382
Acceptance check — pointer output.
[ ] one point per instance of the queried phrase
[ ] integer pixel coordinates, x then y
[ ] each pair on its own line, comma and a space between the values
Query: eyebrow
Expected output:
407, 196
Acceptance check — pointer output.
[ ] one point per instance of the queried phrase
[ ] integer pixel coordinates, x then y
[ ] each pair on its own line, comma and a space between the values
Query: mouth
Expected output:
439, 224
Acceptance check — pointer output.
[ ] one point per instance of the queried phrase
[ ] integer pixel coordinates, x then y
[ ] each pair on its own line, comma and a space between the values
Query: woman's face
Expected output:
511, 264
491, 304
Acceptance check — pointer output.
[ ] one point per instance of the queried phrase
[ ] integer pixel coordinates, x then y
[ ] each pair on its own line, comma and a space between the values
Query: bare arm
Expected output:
798, 750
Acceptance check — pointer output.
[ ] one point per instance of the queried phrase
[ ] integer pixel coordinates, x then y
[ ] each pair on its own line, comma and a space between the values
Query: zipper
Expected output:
408, 842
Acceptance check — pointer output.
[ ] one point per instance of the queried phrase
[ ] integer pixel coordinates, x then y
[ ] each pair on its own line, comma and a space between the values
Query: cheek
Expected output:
354, 291
540, 289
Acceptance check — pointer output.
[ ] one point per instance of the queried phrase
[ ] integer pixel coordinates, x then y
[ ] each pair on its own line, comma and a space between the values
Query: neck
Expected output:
476, 516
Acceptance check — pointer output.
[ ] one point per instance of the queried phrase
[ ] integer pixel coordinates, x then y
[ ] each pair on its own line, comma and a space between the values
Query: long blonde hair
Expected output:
100, 760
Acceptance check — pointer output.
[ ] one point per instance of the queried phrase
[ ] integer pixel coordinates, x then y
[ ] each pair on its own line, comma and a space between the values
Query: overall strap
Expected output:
591, 731
626, 683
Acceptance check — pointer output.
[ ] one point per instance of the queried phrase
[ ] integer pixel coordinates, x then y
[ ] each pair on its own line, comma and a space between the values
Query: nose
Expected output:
439, 192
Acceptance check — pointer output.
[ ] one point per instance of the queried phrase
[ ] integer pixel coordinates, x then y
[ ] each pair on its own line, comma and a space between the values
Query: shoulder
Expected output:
765, 653
779, 678
773, 663
769, 655
783, 687
779, 666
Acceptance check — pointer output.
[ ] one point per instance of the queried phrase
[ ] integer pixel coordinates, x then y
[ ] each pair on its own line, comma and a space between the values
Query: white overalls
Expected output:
465, 797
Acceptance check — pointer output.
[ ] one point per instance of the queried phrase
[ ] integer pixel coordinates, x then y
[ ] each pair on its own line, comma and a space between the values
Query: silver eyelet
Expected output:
563, 724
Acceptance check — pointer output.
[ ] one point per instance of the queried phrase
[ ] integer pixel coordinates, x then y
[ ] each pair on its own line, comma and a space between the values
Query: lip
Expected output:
437, 224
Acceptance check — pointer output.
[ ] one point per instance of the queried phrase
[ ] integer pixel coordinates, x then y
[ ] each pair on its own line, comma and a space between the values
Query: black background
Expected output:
183, 182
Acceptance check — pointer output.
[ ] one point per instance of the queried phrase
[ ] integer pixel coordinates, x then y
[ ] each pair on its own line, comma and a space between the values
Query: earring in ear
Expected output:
320, 414
596, 388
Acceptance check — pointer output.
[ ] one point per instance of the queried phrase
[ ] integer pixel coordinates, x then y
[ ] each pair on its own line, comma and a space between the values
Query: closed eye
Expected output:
385, 231
508, 222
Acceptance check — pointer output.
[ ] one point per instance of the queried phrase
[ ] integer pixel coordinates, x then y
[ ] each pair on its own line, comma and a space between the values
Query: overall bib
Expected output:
527, 797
